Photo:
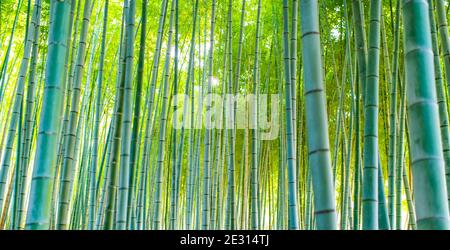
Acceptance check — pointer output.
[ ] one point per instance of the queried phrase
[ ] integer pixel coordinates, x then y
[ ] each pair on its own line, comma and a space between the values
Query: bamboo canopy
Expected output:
237, 114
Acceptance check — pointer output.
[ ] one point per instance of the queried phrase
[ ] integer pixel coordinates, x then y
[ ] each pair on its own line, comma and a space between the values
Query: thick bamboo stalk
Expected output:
38, 214
370, 181
316, 119
426, 142
445, 43
69, 155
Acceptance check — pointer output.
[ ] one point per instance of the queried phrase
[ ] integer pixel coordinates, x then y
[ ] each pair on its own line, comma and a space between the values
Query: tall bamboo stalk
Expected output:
94, 162
207, 141
392, 164
423, 116
70, 136
124, 184
316, 119
370, 182
157, 219
291, 156
445, 43
38, 214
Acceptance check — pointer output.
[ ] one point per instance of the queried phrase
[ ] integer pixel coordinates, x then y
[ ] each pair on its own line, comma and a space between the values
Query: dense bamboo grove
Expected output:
237, 114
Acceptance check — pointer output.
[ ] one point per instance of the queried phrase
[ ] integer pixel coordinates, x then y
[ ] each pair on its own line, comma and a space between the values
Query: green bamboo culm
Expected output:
122, 205
28, 60
113, 164
94, 161
157, 220
28, 118
131, 216
15, 117
392, 163
254, 130
370, 181
346, 194
440, 91
231, 221
316, 119
190, 87
150, 103
291, 155
445, 43
175, 170
95, 138
208, 141
67, 171
383, 217
427, 159
39, 208
361, 51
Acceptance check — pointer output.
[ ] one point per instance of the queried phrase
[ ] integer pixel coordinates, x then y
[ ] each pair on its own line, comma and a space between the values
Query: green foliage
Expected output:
87, 102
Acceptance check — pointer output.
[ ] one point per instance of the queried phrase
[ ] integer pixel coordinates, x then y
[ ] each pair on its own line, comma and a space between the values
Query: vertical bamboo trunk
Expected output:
28, 127
114, 175
393, 119
440, 90
291, 155
254, 130
370, 182
383, 217
426, 142
70, 136
175, 170
231, 222
134, 144
348, 61
190, 88
94, 161
17, 104
124, 184
38, 214
157, 218
207, 142
316, 119
409, 199
150, 100
293, 72
360, 43
445, 43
